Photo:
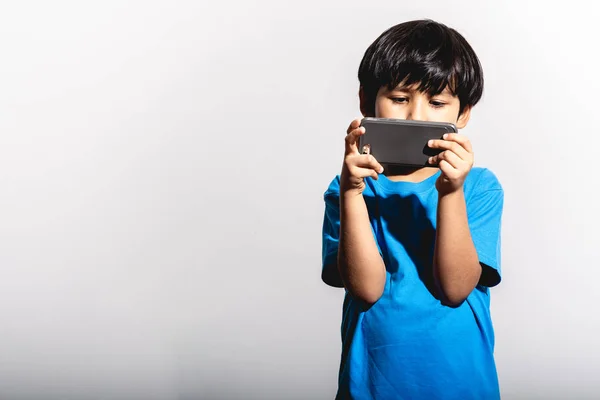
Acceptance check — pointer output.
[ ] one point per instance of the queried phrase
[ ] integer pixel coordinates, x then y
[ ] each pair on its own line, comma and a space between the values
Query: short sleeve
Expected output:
331, 235
484, 210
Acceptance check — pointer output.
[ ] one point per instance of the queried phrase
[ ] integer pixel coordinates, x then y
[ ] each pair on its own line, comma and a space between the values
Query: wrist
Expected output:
350, 187
457, 194
350, 195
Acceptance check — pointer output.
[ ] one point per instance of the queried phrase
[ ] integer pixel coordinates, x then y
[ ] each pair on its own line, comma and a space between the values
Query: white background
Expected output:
162, 165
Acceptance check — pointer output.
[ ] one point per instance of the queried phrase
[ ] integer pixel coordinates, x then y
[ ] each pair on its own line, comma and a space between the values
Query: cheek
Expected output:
447, 114
387, 109
379, 108
453, 110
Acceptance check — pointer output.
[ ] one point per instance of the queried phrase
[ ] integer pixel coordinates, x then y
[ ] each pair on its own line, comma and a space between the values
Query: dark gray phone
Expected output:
402, 142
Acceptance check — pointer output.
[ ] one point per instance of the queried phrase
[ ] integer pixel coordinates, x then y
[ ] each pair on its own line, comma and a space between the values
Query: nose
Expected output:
417, 111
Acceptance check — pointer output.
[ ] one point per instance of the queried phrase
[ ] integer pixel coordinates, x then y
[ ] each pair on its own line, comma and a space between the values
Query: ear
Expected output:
463, 118
363, 101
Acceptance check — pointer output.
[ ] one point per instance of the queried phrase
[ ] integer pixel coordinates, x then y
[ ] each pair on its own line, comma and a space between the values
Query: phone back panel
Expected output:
402, 142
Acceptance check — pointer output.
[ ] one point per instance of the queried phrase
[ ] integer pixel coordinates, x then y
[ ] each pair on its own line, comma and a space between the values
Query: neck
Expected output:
408, 174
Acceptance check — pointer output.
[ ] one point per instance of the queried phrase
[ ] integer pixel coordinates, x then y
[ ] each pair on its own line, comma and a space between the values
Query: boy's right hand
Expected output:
357, 166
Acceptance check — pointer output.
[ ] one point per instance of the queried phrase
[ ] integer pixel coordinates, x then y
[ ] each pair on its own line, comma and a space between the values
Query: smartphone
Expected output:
402, 142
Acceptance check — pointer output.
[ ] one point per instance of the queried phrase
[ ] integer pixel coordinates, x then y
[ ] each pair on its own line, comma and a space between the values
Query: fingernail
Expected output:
381, 170
445, 136
430, 143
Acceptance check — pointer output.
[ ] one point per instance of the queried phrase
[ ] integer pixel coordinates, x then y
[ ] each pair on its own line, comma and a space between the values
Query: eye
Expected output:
399, 100
437, 104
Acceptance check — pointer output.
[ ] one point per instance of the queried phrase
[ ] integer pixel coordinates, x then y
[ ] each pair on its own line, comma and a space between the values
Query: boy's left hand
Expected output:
455, 162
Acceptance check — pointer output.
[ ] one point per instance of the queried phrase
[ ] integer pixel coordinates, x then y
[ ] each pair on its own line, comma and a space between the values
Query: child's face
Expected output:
407, 103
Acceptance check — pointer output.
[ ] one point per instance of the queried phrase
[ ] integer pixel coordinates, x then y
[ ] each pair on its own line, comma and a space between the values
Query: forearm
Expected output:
455, 261
361, 267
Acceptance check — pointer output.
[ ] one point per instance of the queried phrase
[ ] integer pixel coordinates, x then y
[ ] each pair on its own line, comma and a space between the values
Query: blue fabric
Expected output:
409, 345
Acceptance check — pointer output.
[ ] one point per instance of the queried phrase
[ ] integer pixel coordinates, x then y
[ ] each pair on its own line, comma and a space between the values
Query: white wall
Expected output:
162, 165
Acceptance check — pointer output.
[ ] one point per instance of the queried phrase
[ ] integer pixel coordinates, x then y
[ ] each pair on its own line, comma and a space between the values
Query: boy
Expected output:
416, 250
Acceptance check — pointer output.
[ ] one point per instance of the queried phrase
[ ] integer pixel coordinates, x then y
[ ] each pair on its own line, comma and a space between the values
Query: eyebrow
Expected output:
400, 88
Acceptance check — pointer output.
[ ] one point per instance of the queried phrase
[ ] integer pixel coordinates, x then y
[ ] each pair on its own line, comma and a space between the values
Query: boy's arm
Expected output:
457, 263
359, 263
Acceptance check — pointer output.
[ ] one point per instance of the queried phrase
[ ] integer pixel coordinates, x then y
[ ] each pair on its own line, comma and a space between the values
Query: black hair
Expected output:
422, 52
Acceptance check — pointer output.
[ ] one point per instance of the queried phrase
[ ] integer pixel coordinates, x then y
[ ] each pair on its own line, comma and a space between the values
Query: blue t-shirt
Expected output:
409, 345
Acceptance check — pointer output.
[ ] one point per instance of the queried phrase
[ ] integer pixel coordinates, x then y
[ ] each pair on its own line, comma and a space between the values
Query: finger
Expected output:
352, 140
354, 124
452, 146
450, 157
361, 172
368, 161
460, 139
449, 171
